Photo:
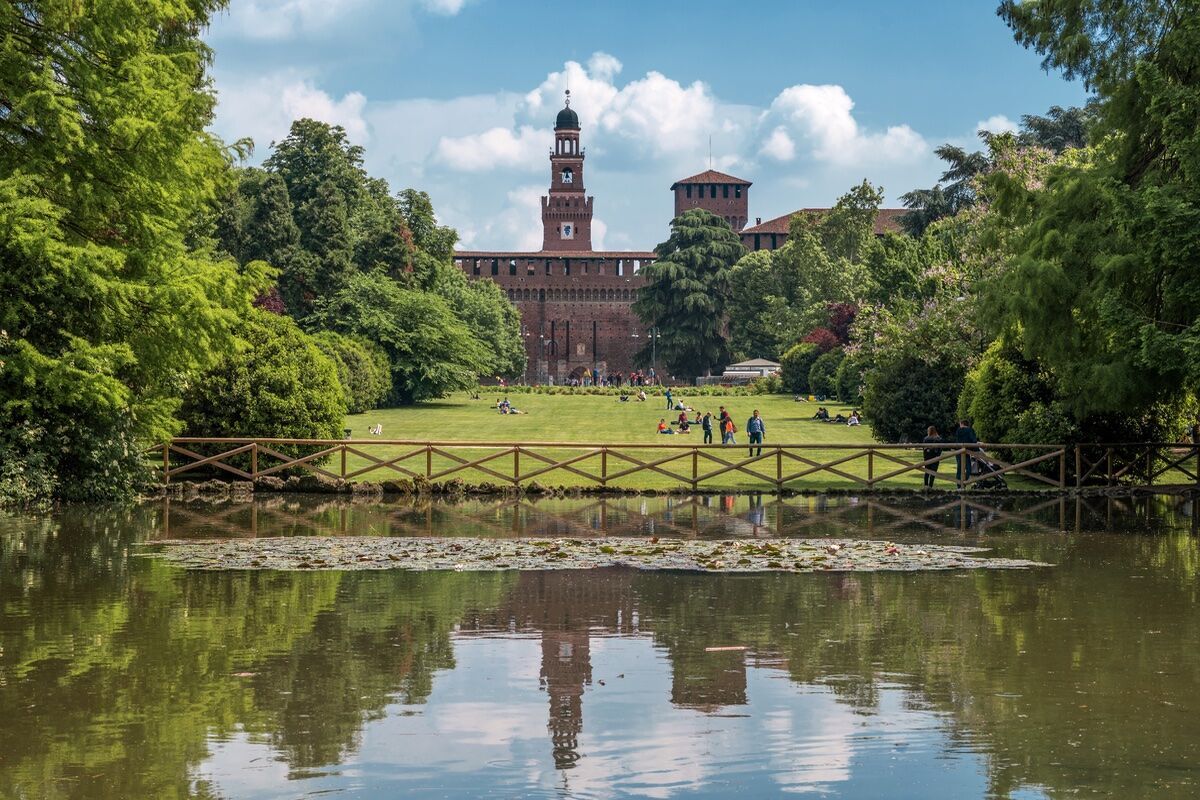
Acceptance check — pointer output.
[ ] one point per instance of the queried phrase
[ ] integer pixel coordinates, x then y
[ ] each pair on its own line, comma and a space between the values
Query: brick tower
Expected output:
566, 211
724, 195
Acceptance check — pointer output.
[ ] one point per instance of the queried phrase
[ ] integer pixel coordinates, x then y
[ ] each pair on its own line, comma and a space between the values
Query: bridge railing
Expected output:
672, 464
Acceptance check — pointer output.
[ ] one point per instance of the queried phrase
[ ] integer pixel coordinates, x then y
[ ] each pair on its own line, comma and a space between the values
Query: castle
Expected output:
576, 302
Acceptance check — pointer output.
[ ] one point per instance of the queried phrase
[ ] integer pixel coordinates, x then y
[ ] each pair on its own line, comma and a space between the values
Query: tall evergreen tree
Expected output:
687, 291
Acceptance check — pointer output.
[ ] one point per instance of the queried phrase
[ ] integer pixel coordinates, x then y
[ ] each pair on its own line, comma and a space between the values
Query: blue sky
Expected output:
457, 97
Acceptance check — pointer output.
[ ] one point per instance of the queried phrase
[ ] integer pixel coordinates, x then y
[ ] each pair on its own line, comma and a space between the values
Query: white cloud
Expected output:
496, 147
517, 225
822, 115
599, 232
283, 19
264, 108
996, 124
779, 145
446, 7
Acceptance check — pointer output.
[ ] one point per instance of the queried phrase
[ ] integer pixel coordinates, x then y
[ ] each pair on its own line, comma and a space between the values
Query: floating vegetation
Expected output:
467, 554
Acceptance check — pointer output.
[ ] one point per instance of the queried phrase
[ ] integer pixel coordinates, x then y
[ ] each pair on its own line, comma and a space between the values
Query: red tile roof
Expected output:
886, 221
710, 176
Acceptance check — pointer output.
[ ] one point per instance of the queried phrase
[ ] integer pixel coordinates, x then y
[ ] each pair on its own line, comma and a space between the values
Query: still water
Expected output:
124, 677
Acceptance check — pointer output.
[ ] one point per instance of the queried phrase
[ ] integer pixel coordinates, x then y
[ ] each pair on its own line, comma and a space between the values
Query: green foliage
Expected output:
905, 395
110, 291
795, 366
278, 384
1101, 278
849, 378
493, 321
362, 367
822, 375
687, 291
780, 297
431, 351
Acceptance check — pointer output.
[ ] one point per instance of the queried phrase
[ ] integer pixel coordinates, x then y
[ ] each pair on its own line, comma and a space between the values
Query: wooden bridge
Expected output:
669, 465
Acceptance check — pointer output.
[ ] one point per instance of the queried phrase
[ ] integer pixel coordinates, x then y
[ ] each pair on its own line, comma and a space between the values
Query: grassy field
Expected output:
605, 420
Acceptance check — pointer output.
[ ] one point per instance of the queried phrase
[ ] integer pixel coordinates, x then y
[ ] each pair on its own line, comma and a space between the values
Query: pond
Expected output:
123, 675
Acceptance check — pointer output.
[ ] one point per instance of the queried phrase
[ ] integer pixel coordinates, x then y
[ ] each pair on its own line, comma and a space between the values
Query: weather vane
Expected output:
568, 97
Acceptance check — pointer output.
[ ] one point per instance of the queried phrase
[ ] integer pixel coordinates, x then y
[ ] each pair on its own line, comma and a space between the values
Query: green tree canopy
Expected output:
278, 383
686, 293
432, 352
108, 298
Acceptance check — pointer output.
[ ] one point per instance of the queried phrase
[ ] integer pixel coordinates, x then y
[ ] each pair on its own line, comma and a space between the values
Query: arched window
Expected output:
567, 175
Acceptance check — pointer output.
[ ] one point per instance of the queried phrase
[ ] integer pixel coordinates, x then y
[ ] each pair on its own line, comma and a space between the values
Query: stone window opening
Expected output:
737, 192
725, 192
512, 267
688, 189
495, 266
475, 267
712, 192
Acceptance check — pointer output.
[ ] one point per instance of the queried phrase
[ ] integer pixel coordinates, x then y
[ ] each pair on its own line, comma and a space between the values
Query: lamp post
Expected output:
653, 333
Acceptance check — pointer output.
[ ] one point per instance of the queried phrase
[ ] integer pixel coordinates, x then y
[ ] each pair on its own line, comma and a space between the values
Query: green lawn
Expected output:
604, 420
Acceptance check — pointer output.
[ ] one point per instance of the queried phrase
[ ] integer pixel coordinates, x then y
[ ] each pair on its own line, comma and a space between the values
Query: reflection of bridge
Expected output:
693, 516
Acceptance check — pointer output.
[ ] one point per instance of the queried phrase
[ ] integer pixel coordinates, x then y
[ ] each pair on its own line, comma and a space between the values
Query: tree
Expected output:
1101, 278
494, 322
277, 384
796, 364
428, 236
432, 352
954, 191
1060, 129
362, 368
904, 396
687, 291
822, 375
106, 167
315, 155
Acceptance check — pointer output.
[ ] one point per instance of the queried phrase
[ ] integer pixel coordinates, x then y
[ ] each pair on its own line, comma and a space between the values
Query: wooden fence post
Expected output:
604, 466
254, 463
870, 468
1078, 466
695, 467
429, 461
166, 462
516, 465
343, 462
1062, 468
779, 468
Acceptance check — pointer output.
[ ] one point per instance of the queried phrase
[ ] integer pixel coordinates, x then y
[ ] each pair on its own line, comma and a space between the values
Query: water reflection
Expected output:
122, 677
703, 516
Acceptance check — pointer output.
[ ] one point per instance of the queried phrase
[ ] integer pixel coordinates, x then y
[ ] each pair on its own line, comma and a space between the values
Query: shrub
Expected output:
849, 379
796, 363
278, 385
905, 395
362, 367
772, 384
822, 375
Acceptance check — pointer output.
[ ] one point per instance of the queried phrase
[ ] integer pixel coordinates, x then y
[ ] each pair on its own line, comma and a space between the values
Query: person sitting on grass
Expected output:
822, 414
664, 428
838, 420
641, 395
623, 398
854, 418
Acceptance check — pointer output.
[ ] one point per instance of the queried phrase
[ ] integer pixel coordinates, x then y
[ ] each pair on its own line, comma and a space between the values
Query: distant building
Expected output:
576, 303
724, 195
771, 235
744, 372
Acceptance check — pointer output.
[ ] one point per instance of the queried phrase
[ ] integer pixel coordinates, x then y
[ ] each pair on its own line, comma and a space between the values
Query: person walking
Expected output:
756, 429
965, 435
931, 437
670, 400
727, 430
706, 425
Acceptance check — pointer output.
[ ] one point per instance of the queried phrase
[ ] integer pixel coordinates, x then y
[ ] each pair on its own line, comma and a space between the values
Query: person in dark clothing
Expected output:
756, 428
965, 435
931, 437
670, 401
706, 425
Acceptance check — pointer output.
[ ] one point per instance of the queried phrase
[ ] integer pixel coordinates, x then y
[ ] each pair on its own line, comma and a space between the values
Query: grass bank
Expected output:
597, 419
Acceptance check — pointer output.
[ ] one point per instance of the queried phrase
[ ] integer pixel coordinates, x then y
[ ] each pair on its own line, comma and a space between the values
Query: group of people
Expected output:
822, 415
756, 428
505, 407
965, 435
593, 377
